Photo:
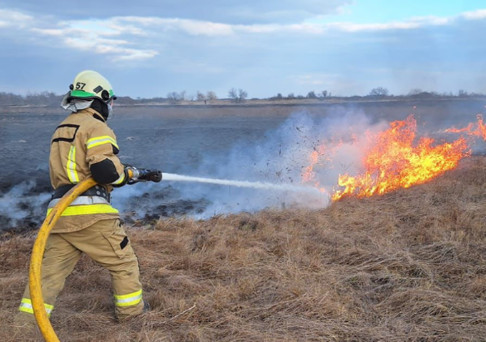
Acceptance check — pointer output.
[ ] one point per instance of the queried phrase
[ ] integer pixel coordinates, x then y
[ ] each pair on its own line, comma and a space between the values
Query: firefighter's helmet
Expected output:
89, 85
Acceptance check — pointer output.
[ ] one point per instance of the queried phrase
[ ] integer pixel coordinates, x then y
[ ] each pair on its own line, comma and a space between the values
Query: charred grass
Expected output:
407, 266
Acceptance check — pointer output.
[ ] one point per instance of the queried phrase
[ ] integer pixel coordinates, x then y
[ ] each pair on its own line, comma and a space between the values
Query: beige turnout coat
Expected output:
81, 140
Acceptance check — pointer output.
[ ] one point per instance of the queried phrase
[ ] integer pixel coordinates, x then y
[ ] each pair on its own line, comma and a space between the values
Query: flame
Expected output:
308, 175
322, 157
479, 131
316, 158
393, 160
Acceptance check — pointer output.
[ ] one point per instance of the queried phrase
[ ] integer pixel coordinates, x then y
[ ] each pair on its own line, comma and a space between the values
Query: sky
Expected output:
150, 48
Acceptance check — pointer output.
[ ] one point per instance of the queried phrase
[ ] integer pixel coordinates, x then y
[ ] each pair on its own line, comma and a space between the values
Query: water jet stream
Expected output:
242, 184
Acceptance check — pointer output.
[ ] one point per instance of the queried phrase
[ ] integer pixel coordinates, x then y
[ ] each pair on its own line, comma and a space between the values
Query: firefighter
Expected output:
82, 146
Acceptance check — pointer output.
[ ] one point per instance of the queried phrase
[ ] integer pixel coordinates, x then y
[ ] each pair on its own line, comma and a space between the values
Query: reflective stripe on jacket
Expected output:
85, 205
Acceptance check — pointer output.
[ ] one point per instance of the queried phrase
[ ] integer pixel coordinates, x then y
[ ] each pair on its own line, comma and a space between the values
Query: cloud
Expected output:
144, 37
191, 27
111, 47
214, 29
99, 37
475, 15
11, 18
409, 24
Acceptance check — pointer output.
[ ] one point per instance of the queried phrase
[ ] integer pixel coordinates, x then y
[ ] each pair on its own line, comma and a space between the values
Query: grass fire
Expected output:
396, 160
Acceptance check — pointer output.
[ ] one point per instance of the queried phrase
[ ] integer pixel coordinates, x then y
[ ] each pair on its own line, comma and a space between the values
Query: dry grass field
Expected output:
406, 266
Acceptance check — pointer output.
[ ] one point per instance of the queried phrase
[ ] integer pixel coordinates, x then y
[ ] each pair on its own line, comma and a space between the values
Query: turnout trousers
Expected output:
107, 244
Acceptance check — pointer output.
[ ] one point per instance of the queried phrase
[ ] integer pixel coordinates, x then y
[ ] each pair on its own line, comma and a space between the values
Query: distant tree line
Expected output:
234, 95
378, 92
310, 95
45, 98
178, 97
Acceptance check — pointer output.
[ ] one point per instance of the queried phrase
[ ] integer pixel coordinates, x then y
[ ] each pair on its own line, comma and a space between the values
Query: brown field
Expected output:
407, 266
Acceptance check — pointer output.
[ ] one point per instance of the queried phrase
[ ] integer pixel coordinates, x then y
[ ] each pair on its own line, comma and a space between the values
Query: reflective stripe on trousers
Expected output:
129, 299
26, 306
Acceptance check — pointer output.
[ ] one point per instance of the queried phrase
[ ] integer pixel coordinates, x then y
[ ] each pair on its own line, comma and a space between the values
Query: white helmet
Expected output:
89, 85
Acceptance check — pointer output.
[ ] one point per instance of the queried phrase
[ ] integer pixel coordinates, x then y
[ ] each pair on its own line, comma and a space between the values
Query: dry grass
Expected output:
408, 266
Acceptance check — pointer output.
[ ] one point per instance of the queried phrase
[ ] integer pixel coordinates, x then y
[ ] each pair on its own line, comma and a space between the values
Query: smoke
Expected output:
283, 156
254, 173
305, 150
20, 205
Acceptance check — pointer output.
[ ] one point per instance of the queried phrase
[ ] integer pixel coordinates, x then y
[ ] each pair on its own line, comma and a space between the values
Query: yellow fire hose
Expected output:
35, 285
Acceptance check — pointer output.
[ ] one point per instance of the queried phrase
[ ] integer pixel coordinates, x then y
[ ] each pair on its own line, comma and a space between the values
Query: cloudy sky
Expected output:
148, 48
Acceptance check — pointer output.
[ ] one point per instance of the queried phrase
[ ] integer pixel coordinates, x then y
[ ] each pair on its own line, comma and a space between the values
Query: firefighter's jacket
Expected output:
82, 146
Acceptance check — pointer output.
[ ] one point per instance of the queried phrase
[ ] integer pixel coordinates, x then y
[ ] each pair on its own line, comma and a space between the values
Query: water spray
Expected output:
242, 184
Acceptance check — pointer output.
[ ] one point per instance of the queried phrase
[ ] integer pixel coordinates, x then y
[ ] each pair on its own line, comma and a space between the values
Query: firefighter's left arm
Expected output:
102, 150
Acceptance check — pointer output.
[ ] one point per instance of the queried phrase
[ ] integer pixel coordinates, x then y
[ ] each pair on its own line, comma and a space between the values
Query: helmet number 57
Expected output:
80, 85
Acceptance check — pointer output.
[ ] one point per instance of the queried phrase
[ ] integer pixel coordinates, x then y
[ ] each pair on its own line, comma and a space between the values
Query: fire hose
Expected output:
35, 285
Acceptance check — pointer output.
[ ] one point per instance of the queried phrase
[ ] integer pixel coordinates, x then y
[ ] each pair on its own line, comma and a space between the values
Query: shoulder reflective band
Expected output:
105, 139
26, 306
89, 209
71, 166
128, 299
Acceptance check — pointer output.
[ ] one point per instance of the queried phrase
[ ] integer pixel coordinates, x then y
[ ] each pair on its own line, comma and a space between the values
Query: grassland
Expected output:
407, 266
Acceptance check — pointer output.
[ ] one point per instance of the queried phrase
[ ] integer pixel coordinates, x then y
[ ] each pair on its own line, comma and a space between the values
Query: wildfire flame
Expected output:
396, 160
471, 129
308, 175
